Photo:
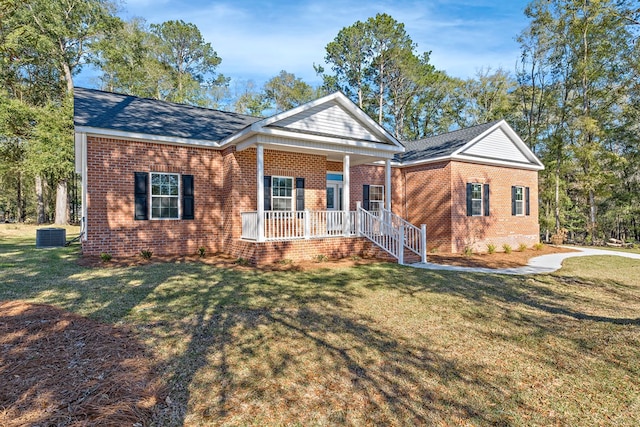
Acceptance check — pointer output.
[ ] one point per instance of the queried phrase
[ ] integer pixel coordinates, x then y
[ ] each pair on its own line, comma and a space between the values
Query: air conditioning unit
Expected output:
51, 237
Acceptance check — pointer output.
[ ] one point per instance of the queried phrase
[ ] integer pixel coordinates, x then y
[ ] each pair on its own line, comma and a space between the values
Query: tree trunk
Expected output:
62, 213
21, 212
592, 214
557, 198
40, 199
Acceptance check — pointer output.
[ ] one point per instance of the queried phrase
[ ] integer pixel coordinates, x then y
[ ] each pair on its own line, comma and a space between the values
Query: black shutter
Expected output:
365, 197
469, 201
187, 197
513, 200
526, 200
485, 202
299, 194
141, 195
267, 193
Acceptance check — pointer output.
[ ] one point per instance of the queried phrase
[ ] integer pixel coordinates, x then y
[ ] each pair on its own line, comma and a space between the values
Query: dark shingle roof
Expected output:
105, 110
441, 145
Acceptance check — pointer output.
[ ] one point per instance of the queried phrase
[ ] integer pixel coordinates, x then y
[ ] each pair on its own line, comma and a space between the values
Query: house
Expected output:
320, 179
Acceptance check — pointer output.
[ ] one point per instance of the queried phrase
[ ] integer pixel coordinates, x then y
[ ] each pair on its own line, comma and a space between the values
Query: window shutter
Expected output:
299, 194
485, 201
141, 195
365, 197
513, 200
526, 201
267, 193
187, 197
469, 202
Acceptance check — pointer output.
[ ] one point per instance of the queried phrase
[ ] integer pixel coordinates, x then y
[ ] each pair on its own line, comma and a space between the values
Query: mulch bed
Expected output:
495, 260
61, 369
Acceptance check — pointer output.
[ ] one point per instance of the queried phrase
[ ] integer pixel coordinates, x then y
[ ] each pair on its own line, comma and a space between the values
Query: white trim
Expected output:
116, 134
346, 195
387, 183
260, 190
292, 197
481, 198
84, 182
515, 201
151, 196
511, 134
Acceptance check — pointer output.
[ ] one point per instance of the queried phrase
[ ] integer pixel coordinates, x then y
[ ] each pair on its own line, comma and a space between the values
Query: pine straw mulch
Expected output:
221, 260
495, 260
61, 369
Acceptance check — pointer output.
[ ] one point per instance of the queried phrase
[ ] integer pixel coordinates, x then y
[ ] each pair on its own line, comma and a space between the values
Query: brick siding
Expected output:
225, 186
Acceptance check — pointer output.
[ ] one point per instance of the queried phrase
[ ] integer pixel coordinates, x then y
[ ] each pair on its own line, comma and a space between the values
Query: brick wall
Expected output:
225, 186
111, 164
500, 227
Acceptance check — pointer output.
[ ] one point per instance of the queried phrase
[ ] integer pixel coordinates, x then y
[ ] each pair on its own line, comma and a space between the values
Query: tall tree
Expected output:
44, 44
286, 91
190, 60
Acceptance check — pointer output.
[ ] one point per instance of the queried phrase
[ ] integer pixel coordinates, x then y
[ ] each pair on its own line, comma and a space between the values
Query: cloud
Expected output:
257, 39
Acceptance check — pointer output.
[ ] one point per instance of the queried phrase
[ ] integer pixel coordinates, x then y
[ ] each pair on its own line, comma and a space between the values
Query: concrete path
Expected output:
541, 264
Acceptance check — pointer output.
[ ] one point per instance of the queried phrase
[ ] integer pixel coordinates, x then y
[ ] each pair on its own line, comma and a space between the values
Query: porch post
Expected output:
387, 184
260, 185
346, 196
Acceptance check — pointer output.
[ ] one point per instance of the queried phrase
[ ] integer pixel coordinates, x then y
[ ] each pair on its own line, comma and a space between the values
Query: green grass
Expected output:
374, 344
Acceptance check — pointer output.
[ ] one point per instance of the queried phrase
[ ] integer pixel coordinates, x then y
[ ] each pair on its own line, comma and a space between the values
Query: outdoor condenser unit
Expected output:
50, 237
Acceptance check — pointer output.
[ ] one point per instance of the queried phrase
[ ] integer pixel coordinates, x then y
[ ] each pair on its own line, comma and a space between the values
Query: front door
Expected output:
334, 204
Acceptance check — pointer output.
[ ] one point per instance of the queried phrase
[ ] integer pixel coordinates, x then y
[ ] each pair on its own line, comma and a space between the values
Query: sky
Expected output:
258, 39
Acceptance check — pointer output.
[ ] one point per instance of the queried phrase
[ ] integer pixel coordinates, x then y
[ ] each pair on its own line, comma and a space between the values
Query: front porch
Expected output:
384, 229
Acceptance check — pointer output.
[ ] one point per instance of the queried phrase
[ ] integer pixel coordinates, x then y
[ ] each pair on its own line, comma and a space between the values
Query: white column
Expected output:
260, 185
346, 195
387, 185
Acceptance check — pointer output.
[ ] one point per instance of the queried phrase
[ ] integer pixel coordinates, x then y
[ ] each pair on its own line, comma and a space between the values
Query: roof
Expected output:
125, 113
443, 145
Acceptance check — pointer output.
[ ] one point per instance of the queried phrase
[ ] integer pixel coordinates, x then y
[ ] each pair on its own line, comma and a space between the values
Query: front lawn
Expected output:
375, 344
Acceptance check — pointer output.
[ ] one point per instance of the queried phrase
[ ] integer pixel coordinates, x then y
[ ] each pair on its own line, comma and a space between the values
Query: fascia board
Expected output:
147, 137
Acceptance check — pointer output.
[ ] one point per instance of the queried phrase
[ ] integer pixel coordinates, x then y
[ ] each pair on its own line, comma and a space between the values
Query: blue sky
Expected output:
257, 39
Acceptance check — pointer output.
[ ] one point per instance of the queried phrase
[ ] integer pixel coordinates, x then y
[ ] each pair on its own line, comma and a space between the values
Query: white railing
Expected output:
382, 233
412, 234
290, 225
387, 230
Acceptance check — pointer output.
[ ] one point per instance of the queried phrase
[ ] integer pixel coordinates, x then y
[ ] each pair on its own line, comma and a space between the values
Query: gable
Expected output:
496, 145
330, 119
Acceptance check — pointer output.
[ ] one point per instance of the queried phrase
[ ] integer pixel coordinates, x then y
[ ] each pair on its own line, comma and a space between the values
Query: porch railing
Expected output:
288, 225
387, 230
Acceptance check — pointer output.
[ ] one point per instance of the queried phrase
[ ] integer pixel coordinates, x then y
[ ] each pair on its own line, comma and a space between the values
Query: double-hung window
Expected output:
476, 199
518, 200
376, 198
281, 193
165, 195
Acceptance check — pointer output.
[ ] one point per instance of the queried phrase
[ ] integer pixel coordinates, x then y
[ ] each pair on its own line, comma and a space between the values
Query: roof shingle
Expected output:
106, 110
441, 145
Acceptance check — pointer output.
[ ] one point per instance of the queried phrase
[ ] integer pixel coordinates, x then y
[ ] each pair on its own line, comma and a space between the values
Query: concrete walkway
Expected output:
541, 264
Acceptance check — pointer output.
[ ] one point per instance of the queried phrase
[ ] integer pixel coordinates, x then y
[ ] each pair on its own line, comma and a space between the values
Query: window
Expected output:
281, 193
520, 203
376, 198
165, 195
478, 199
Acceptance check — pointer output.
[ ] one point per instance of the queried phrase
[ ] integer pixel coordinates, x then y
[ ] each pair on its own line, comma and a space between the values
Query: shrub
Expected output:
522, 247
202, 251
538, 246
434, 250
146, 254
105, 257
320, 258
507, 248
242, 261
355, 258
491, 248
468, 251
285, 261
